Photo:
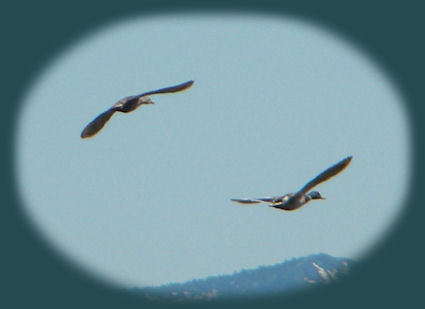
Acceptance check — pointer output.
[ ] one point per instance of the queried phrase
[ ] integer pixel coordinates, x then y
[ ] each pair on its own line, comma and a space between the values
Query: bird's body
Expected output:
129, 104
126, 105
295, 200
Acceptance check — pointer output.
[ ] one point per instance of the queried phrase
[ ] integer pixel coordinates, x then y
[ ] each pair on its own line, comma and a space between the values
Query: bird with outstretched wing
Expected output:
295, 200
128, 104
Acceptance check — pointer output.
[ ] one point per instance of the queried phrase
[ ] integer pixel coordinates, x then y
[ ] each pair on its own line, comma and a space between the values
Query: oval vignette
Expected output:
275, 101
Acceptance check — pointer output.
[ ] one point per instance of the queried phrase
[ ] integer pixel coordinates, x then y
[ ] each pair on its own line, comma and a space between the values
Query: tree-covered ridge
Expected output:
262, 281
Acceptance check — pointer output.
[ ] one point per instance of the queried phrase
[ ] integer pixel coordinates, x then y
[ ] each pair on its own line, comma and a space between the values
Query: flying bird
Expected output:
126, 105
295, 200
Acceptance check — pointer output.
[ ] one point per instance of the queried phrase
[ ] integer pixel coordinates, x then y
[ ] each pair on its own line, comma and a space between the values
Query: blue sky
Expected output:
275, 101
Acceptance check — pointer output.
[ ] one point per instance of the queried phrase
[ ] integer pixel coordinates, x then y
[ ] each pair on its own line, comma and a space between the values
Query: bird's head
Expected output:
315, 195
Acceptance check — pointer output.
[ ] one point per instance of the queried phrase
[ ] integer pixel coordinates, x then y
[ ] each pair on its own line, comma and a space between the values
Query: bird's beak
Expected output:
323, 198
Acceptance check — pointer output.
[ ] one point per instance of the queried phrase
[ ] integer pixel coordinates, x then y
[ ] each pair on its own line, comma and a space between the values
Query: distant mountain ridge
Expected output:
290, 275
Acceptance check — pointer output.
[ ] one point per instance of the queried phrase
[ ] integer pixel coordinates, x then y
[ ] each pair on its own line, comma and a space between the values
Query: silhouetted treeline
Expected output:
262, 281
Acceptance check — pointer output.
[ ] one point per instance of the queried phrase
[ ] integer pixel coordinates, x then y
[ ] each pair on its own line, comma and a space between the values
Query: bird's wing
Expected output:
176, 88
98, 123
266, 200
245, 201
270, 200
326, 175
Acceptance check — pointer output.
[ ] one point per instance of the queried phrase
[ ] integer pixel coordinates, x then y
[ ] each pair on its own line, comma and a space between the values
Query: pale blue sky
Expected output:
275, 101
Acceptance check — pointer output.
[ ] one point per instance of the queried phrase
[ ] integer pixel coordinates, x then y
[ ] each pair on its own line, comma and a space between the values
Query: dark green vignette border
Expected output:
34, 32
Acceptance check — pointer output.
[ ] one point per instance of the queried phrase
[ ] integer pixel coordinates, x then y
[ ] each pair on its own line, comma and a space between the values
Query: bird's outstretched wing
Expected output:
266, 200
98, 123
326, 175
176, 88
245, 201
